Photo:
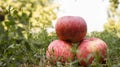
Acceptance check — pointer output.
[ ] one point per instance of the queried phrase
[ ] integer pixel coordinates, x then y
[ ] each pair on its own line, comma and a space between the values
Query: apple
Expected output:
71, 28
90, 49
59, 50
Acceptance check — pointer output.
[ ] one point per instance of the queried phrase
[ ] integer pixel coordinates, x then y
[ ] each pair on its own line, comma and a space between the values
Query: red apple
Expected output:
90, 49
71, 28
59, 50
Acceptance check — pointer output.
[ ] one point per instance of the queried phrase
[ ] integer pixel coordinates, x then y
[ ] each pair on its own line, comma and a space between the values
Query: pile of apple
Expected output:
73, 29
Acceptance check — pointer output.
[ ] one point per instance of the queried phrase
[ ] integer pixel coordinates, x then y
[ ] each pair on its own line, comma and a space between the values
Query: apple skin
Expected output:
71, 28
59, 50
89, 48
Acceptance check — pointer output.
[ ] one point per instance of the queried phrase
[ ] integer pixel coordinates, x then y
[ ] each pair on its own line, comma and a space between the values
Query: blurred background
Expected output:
27, 28
94, 12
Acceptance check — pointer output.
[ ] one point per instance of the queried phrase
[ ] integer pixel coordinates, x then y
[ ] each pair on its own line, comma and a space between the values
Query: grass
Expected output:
32, 52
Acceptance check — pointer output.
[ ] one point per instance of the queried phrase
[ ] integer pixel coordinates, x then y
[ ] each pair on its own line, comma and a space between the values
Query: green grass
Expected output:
32, 52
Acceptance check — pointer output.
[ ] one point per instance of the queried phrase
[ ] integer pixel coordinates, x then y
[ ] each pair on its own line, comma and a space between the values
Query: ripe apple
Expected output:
91, 49
59, 50
71, 28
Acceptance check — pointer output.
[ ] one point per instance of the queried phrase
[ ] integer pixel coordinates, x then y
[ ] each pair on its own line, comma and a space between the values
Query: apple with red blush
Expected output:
90, 49
59, 50
71, 28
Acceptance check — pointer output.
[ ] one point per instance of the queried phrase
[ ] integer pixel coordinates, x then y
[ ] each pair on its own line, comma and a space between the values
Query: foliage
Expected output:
18, 39
113, 23
39, 12
112, 29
